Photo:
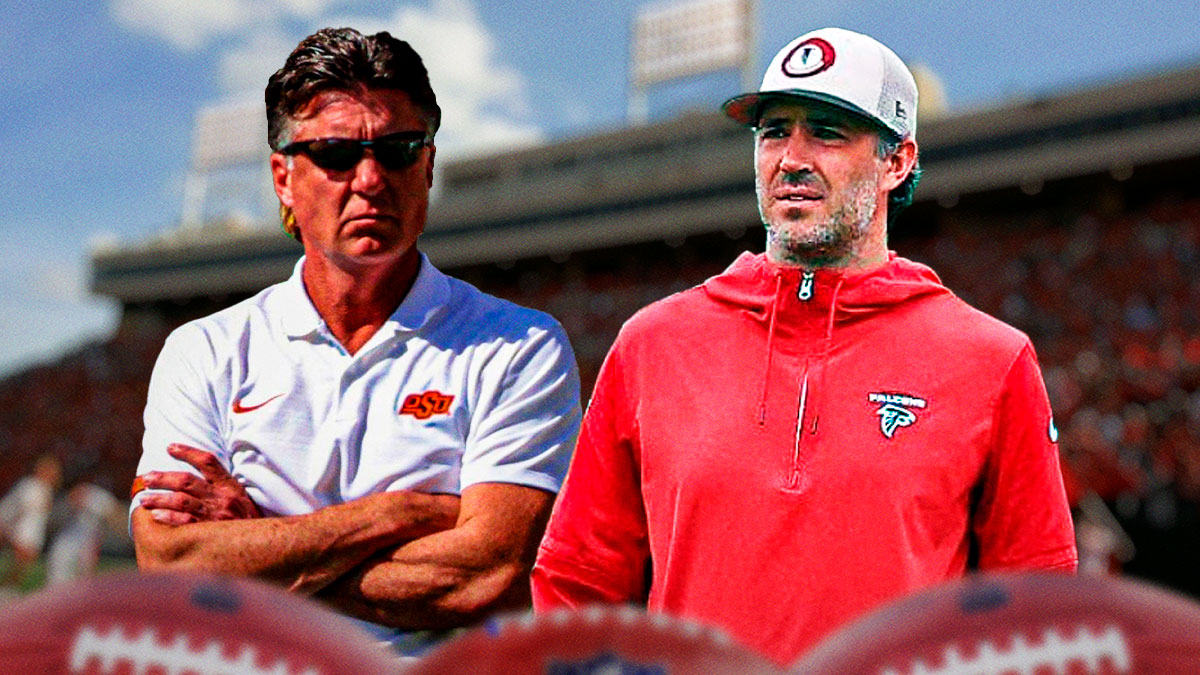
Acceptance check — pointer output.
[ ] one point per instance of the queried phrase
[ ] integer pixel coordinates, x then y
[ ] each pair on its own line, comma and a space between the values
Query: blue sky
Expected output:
98, 97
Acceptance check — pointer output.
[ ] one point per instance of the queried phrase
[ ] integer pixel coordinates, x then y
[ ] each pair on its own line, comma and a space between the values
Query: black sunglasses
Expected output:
394, 151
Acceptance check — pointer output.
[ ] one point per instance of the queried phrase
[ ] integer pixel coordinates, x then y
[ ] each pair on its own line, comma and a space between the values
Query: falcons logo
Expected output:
892, 417
896, 410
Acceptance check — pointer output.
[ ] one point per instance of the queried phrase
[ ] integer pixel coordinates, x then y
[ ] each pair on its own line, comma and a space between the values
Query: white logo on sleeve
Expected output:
896, 410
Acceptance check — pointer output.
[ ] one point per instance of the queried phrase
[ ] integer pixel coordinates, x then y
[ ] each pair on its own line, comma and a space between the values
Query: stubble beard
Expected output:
833, 242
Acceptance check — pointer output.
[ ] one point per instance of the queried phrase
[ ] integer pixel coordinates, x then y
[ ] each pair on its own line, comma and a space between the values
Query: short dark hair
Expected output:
343, 59
901, 195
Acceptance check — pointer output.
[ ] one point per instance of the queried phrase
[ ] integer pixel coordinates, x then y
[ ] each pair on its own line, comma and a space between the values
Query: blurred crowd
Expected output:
1113, 307
82, 515
85, 409
84, 413
1111, 302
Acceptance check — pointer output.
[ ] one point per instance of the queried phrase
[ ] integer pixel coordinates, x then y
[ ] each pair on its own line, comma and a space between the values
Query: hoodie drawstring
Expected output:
832, 310
766, 385
820, 398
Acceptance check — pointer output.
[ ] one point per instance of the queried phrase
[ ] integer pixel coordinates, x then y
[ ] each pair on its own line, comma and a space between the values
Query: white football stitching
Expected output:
1055, 651
145, 652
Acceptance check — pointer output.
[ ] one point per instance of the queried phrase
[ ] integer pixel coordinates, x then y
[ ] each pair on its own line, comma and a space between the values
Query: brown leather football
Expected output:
599, 640
171, 624
1026, 624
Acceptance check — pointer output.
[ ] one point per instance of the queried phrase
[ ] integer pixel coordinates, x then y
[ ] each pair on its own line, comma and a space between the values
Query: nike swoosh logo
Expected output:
239, 408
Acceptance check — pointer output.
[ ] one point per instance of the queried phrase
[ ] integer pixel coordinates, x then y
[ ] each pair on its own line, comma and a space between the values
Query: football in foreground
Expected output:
1020, 624
174, 624
591, 641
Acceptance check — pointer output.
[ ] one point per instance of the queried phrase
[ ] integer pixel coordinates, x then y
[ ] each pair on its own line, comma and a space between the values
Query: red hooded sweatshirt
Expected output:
776, 452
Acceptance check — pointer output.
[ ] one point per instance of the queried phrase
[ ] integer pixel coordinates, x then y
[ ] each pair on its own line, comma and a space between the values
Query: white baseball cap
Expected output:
843, 68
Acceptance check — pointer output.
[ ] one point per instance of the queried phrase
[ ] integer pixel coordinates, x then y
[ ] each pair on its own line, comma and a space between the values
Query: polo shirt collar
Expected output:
430, 293
299, 318
295, 310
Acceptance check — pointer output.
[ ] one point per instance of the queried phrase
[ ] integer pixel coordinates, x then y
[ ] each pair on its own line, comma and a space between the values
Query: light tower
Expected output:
672, 40
229, 178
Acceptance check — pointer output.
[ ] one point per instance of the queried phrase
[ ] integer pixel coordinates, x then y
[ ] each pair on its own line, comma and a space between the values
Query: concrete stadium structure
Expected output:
693, 176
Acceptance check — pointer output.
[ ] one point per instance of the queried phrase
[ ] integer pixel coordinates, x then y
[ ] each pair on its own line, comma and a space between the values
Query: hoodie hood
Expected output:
817, 302
753, 283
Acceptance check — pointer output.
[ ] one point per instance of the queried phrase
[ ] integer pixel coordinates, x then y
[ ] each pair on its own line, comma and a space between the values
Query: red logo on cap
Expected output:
808, 58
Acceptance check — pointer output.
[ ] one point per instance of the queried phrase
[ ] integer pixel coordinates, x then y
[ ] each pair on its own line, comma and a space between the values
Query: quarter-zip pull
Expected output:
798, 478
805, 291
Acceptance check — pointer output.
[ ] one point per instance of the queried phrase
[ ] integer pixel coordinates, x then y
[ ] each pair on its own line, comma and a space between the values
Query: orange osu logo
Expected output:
426, 405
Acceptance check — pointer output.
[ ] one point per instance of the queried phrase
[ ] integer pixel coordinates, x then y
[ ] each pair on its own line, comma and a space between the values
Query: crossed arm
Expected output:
404, 559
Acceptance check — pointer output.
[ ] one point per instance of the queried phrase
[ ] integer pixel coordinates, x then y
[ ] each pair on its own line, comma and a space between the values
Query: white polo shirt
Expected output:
456, 388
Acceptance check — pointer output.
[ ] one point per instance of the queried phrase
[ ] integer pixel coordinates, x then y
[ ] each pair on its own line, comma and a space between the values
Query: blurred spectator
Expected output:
24, 512
75, 550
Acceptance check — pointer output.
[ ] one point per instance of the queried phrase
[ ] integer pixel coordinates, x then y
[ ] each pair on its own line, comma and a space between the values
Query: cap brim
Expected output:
747, 108
743, 108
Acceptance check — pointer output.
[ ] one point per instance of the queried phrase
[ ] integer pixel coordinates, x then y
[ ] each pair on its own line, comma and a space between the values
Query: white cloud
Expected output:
192, 24
184, 24
483, 100
244, 69
103, 240
57, 281
305, 8
485, 105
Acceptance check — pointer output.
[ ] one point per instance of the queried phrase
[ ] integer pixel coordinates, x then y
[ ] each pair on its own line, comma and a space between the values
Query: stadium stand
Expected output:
1074, 217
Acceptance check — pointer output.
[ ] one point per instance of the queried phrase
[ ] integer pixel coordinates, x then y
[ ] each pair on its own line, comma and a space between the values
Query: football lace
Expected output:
1055, 651
145, 652
596, 615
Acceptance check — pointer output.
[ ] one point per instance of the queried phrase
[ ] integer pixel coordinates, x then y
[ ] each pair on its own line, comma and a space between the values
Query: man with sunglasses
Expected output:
370, 432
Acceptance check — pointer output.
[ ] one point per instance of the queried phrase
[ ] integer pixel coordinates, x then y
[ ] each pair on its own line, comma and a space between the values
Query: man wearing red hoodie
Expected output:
821, 428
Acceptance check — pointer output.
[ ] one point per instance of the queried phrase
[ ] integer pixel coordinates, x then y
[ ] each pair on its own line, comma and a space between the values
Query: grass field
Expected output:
36, 576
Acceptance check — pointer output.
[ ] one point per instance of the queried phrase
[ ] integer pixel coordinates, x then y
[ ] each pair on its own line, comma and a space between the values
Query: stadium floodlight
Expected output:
673, 40
229, 151
229, 134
